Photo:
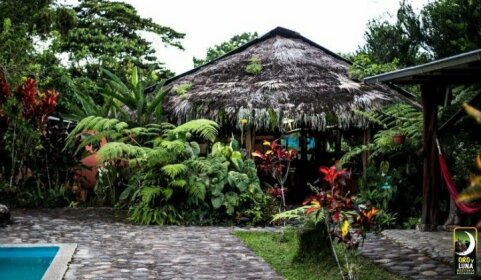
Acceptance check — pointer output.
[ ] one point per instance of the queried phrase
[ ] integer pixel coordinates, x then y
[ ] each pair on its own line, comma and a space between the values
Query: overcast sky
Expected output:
338, 25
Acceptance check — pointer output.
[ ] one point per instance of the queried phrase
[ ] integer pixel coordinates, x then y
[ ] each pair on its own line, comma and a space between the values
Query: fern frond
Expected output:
167, 193
197, 191
177, 145
94, 124
103, 124
207, 129
159, 157
115, 150
354, 152
121, 126
96, 138
370, 116
149, 194
294, 214
200, 166
195, 148
173, 170
179, 183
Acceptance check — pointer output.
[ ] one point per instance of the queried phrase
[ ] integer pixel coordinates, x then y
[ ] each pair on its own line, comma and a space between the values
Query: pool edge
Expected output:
59, 265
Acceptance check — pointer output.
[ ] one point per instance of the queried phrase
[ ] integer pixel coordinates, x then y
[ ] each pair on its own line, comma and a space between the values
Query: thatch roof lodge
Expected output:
297, 80
281, 83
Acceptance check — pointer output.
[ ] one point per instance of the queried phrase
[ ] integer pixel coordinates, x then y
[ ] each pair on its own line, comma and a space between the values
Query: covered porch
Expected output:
436, 80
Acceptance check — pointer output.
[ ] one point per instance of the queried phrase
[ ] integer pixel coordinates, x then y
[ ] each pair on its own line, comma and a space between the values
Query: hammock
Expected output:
467, 208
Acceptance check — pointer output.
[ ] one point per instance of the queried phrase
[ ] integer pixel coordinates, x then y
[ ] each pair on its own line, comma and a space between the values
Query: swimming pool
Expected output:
34, 261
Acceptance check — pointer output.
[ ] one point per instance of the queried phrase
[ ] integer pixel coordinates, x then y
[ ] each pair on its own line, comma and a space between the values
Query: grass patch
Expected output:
279, 249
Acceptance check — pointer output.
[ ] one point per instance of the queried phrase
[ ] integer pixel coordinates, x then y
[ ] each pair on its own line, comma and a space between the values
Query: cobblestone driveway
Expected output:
115, 250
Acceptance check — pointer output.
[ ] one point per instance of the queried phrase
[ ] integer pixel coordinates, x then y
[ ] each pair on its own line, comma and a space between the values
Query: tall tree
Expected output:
108, 34
402, 40
24, 25
452, 26
65, 46
443, 28
225, 47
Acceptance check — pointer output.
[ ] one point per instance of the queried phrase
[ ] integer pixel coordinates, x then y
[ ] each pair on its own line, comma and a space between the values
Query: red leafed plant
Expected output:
331, 174
340, 210
23, 123
345, 221
35, 105
275, 162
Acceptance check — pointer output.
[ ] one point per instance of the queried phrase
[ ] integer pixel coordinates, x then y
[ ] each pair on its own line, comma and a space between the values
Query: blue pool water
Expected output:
25, 263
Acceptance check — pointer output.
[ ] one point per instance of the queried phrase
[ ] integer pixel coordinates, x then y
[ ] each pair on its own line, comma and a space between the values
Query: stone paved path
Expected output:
413, 254
115, 250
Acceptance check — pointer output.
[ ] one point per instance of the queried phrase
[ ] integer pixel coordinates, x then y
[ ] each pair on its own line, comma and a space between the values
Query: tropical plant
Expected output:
393, 119
130, 100
332, 216
28, 178
276, 162
379, 187
167, 181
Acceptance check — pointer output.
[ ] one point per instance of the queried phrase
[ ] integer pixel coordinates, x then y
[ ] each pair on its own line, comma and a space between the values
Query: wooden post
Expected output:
431, 176
303, 166
337, 144
366, 139
250, 140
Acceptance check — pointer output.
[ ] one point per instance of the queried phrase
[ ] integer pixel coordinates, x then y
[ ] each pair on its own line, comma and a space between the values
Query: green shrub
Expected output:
165, 181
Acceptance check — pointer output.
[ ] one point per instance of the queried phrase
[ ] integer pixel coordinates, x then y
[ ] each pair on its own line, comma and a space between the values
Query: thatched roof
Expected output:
299, 80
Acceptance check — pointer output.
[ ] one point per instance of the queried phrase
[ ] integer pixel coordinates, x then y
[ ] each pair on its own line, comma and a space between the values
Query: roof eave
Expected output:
453, 61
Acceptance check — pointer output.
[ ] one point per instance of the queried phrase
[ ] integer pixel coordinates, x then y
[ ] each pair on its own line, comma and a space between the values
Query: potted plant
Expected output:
398, 137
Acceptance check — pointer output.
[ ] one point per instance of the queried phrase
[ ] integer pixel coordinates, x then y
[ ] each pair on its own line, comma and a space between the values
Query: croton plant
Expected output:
275, 162
347, 221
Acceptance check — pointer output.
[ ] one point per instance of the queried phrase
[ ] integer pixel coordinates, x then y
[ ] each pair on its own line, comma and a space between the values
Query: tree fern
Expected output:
205, 128
175, 145
119, 150
94, 124
394, 119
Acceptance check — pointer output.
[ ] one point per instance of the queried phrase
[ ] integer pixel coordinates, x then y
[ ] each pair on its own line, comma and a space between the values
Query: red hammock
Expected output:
468, 208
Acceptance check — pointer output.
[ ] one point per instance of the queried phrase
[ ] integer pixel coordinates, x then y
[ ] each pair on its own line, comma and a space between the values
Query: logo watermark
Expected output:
465, 245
